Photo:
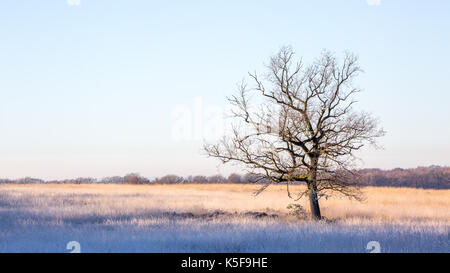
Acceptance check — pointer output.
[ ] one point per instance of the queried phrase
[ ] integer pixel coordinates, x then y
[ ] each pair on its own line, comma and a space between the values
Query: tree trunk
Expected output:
312, 187
314, 203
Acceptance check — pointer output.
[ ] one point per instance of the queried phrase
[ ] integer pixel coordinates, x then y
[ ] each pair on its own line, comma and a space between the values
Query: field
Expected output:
216, 218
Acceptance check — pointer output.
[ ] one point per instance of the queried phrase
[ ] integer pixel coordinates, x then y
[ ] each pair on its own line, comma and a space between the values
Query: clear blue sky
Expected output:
91, 89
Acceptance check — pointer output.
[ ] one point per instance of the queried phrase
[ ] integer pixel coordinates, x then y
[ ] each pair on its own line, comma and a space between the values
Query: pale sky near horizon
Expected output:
95, 88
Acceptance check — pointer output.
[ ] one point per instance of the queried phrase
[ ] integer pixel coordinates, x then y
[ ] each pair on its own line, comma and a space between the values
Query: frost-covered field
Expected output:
215, 218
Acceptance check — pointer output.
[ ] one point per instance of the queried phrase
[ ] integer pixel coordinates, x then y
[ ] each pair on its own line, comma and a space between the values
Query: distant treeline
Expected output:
433, 177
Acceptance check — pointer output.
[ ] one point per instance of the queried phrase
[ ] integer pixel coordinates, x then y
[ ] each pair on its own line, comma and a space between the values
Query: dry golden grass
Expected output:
184, 218
382, 203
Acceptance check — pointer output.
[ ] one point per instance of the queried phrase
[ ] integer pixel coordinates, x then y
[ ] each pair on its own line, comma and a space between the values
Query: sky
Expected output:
97, 88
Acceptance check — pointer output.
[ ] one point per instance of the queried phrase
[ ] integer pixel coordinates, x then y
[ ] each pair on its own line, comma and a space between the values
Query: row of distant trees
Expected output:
433, 177
233, 178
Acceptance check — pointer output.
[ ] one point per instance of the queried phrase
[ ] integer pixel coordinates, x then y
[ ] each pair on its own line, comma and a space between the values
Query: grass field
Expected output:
216, 218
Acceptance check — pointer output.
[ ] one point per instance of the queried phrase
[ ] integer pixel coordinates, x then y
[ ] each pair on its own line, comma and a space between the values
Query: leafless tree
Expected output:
169, 179
302, 127
234, 178
135, 178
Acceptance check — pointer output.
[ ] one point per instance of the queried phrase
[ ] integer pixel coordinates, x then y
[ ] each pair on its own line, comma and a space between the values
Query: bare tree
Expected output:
302, 128
170, 179
135, 178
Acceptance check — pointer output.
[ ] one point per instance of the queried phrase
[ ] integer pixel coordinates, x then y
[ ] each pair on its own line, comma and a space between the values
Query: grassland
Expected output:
216, 218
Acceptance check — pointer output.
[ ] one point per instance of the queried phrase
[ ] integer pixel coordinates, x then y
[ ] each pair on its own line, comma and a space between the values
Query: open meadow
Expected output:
216, 218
